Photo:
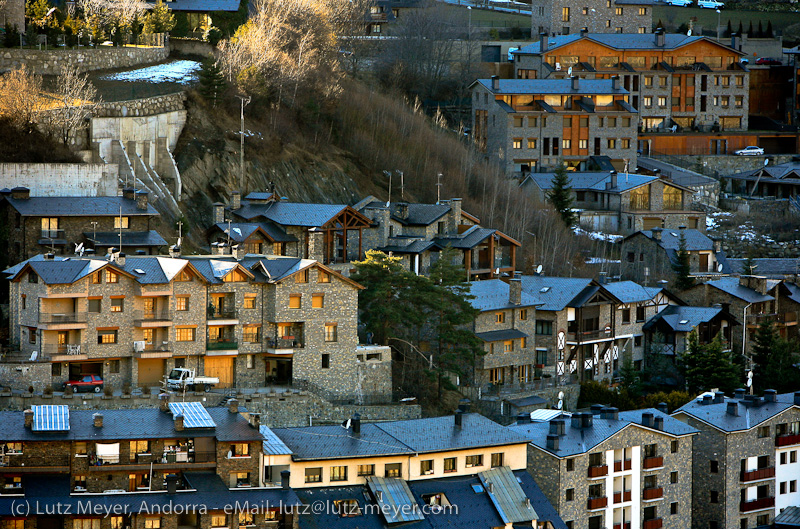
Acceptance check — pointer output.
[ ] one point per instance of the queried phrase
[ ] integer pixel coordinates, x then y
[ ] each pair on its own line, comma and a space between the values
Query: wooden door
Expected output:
220, 367
151, 371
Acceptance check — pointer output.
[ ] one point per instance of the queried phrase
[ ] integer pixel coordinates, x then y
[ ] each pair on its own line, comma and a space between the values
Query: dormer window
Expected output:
439, 499
347, 508
33, 277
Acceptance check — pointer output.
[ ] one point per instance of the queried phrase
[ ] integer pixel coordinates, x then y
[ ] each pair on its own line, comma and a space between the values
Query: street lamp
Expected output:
719, 21
245, 101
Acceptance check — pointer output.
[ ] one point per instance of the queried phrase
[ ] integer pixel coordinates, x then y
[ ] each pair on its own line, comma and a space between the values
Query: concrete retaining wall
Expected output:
50, 62
61, 179
190, 47
729, 164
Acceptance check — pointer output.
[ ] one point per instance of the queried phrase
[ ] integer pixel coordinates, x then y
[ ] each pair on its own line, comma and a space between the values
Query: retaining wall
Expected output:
61, 179
50, 62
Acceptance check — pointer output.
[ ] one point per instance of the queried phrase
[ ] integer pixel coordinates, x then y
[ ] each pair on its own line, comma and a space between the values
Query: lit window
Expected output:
339, 473
393, 470
301, 276
366, 470
249, 301
121, 222
449, 464
523, 314
111, 276
151, 522
497, 460
184, 334
182, 303
117, 304
251, 333
294, 301
106, 337
474, 461
317, 301
324, 277
500, 317
313, 475
331, 334
516, 143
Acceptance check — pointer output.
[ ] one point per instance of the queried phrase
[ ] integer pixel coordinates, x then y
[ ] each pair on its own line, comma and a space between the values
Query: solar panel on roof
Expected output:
477, 488
194, 414
50, 418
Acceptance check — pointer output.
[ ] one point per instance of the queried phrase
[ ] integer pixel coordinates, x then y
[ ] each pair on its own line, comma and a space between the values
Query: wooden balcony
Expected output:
620, 497
786, 440
62, 321
599, 471
626, 525
169, 460
761, 473
24, 463
653, 493
655, 523
597, 503
619, 466
652, 462
757, 505
157, 318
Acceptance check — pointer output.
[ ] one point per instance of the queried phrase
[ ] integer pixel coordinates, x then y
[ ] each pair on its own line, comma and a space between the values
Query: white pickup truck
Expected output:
183, 378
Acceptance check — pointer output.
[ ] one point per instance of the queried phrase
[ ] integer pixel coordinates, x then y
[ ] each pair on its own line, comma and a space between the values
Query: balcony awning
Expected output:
108, 452
497, 336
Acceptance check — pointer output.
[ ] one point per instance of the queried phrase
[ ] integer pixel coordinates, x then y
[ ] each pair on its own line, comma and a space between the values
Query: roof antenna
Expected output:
439, 188
120, 223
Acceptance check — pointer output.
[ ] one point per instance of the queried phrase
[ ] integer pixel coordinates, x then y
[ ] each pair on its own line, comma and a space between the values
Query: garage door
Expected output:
649, 224
151, 371
222, 368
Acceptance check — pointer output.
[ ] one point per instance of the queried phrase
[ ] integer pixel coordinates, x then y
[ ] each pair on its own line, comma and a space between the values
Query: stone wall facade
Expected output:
50, 62
562, 17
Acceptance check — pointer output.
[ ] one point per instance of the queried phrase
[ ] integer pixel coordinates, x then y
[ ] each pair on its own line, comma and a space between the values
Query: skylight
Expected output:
684, 322
138, 271
544, 289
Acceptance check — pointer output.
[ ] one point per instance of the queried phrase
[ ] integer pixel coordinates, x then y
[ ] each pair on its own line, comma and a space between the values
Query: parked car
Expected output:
710, 4
767, 60
752, 150
86, 383
680, 3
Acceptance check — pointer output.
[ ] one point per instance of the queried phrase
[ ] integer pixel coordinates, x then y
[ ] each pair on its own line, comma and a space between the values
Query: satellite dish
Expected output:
689, 33
560, 404
237, 231
766, 162
539, 269
750, 375
180, 240
569, 71
560, 395
719, 267
749, 382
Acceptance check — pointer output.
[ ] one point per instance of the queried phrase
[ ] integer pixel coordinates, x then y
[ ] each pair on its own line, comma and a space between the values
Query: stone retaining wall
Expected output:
730, 164
148, 106
50, 62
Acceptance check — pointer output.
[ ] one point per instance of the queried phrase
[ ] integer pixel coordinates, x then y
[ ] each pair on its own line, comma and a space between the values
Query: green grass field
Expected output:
488, 18
672, 17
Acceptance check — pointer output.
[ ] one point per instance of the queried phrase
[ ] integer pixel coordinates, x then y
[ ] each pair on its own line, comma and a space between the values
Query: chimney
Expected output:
356, 423
239, 251
770, 395
588, 420
656, 234
613, 179
163, 402
495, 83
660, 38
597, 409
172, 483
733, 408
463, 405
459, 419
615, 82
797, 398
129, 193
97, 419
757, 283
233, 406
523, 418
576, 82
141, 200
515, 292
285, 474
577, 420
612, 414
658, 423
647, 419
49, 256
121, 259
719, 397
28, 418
717, 245
544, 44
21, 193
584, 32
662, 407
455, 211
552, 442
708, 399
178, 420
402, 210
554, 426
255, 420
736, 41
682, 228
236, 199
218, 209
561, 426
316, 244
738, 393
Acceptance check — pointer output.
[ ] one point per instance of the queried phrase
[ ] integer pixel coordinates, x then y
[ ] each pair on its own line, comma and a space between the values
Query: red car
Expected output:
767, 60
86, 383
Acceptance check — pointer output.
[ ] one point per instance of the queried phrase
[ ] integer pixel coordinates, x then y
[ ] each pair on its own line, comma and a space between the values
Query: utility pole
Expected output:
402, 186
94, 234
245, 101
439, 188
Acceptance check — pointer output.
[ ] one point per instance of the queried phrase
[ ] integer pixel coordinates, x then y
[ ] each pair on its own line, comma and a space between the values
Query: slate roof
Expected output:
630, 292
619, 41
560, 290
412, 247
531, 400
466, 240
202, 6
552, 86
749, 416
592, 181
272, 444
674, 316
78, 207
731, 286
493, 294
209, 492
245, 230
129, 238
789, 518
496, 336
290, 213
397, 437
772, 173
147, 423
581, 440
420, 214
775, 268
794, 292
670, 239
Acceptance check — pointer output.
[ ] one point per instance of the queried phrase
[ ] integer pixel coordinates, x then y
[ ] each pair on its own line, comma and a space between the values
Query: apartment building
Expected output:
745, 468
614, 202
528, 125
667, 332
629, 470
674, 81
249, 320
563, 17
135, 464
416, 467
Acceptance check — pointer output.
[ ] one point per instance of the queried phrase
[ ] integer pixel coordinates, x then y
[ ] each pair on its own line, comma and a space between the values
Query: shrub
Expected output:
30, 389
48, 390
69, 390
108, 391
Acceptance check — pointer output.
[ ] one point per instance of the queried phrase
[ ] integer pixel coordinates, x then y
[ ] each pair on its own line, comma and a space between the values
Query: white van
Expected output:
710, 4
680, 3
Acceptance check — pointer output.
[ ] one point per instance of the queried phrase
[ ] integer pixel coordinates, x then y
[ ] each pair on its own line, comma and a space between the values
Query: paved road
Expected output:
679, 175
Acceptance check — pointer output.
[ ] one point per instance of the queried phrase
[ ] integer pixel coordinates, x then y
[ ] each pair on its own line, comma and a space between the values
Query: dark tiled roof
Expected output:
552, 86
412, 247
554, 292
492, 294
496, 336
60, 272
202, 6
129, 238
619, 41
730, 285
333, 442
595, 181
420, 214
464, 241
770, 267
789, 518
670, 239
78, 207
749, 416
272, 444
680, 318
290, 213
149, 423
245, 230
630, 292
531, 400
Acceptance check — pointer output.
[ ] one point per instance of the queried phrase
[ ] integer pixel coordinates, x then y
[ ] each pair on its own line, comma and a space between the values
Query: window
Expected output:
219, 521
366, 470
713, 496
626, 143
184, 276
640, 313
317, 301
184, 334
55, 369
763, 431
544, 327
516, 143
618, 11
426, 467
612, 143
497, 460
626, 313
393, 470
139, 447
673, 477
793, 456
111, 276
294, 301
331, 334
648, 101
151, 522
182, 303
326, 361
508, 346
449, 464
783, 487
662, 101
347, 508
114, 366
566, 144
565, 14
570, 494
783, 458
583, 144
117, 304
673, 446
570, 465
500, 317
249, 301
532, 121
95, 304
714, 466
339, 473
245, 519
121, 222
523, 314
474, 461
314, 475
106, 337
97, 278
738, 101
531, 143
251, 333
301, 276
94, 523
643, 11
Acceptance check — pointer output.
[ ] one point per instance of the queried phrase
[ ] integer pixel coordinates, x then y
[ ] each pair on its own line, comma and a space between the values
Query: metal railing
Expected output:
295, 342
51, 234
35, 461
156, 315
62, 317
63, 349
218, 344
222, 314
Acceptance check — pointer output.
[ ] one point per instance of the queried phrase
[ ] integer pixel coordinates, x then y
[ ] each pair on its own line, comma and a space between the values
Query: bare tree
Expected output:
20, 97
109, 12
349, 20
77, 96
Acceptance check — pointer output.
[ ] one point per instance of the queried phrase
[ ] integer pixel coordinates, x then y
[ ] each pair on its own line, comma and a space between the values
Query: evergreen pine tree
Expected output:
159, 20
770, 33
708, 366
728, 30
12, 36
560, 195
750, 30
212, 81
760, 33
740, 30
748, 265
682, 266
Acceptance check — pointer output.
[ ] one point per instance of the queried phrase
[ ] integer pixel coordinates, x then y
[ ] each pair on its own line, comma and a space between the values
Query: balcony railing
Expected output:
626, 525
18, 461
756, 505
219, 344
786, 440
619, 497
652, 462
619, 466
594, 334
761, 473
156, 315
654, 523
51, 234
652, 493
62, 317
287, 342
222, 314
598, 471
12, 489
673, 204
186, 457
52, 349
597, 503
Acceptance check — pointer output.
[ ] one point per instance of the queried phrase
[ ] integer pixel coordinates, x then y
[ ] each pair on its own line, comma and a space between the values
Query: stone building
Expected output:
650, 255
624, 203
42, 224
745, 467
667, 332
527, 125
12, 14
563, 17
136, 463
779, 181
610, 469
249, 320
675, 82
